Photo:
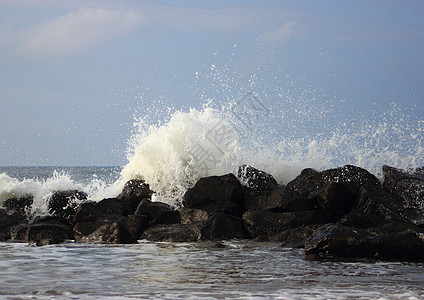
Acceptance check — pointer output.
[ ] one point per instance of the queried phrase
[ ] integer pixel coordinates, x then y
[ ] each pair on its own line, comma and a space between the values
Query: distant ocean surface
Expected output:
242, 270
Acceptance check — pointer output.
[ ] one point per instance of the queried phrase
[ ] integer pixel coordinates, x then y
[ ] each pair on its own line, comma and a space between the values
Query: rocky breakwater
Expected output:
340, 213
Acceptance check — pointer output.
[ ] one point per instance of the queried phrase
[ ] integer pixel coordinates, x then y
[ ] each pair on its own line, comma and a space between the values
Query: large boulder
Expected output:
336, 241
216, 194
260, 189
158, 212
173, 233
109, 232
408, 186
106, 210
221, 226
304, 192
7, 221
19, 205
43, 231
133, 192
65, 203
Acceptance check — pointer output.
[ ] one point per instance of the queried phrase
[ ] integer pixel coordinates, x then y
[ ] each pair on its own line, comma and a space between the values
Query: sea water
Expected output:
241, 270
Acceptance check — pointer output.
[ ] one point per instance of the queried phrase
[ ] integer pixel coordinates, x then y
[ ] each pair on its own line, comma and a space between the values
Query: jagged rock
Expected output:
158, 212
136, 224
65, 203
7, 221
192, 215
261, 190
296, 237
338, 241
110, 232
20, 206
173, 232
44, 231
221, 226
409, 187
265, 225
301, 193
133, 192
107, 210
216, 194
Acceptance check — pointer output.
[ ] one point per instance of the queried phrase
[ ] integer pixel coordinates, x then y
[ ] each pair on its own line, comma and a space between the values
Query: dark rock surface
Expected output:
133, 192
216, 194
7, 221
338, 241
43, 231
65, 203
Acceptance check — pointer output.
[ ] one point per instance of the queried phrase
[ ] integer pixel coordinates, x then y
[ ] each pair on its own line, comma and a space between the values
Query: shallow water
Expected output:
243, 269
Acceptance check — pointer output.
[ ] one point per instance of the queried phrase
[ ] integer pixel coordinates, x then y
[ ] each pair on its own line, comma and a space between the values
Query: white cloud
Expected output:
77, 31
278, 35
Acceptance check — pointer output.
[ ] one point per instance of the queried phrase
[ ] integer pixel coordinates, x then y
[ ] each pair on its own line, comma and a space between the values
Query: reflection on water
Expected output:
243, 269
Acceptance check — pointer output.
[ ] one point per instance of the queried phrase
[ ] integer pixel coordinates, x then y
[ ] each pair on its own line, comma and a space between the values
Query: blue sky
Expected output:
74, 73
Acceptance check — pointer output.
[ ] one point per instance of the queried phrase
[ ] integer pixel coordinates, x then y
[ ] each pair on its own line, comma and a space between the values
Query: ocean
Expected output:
171, 156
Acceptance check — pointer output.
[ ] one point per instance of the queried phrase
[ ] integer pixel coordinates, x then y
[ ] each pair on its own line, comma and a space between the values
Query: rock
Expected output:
192, 215
44, 231
21, 206
221, 226
158, 212
265, 225
338, 241
136, 224
296, 237
106, 210
385, 208
110, 232
409, 187
301, 193
336, 199
216, 194
261, 190
257, 181
173, 233
133, 192
65, 203
7, 222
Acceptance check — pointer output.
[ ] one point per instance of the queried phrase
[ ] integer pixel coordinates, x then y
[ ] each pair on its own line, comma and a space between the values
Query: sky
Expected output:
75, 74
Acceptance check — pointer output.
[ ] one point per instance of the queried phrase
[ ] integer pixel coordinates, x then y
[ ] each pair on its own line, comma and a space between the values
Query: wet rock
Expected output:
136, 224
192, 215
43, 231
338, 241
65, 203
261, 190
7, 222
386, 209
265, 225
107, 210
158, 212
408, 186
302, 192
19, 205
111, 232
216, 194
173, 233
133, 192
221, 226
297, 236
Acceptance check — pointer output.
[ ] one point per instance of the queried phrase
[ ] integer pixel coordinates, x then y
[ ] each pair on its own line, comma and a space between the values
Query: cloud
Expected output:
77, 31
278, 35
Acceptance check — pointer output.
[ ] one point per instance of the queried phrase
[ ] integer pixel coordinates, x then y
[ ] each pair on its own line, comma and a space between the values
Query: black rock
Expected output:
110, 232
158, 212
65, 203
216, 194
7, 221
107, 210
336, 241
133, 192
44, 231
221, 226
20, 205
173, 233
192, 215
